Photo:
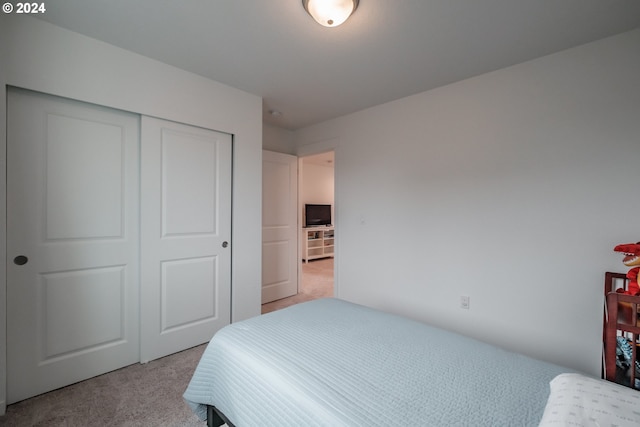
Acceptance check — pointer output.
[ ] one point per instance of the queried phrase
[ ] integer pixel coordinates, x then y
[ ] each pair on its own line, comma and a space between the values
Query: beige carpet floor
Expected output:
138, 395
144, 395
317, 282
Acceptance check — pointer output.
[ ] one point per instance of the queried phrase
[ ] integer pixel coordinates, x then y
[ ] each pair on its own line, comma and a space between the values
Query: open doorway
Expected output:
316, 272
316, 187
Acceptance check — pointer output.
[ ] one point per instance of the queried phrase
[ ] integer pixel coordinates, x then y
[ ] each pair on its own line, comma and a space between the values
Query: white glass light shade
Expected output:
330, 13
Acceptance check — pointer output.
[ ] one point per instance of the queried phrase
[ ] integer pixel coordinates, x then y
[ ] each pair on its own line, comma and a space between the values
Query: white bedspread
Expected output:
332, 363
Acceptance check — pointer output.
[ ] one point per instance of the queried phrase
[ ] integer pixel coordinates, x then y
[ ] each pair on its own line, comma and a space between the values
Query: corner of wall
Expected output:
277, 139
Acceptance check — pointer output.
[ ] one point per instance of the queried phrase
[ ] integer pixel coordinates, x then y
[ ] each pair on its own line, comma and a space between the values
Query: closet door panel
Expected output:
73, 242
186, 236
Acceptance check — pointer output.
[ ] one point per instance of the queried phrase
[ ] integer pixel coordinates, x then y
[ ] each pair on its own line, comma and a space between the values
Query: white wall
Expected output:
317, 184
512, 187
39, 56
278, 139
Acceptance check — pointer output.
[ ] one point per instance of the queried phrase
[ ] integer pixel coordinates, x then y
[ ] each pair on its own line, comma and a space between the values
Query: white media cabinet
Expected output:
318, 242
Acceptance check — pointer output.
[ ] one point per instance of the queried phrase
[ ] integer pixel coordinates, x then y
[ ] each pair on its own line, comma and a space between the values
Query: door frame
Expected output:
319, 147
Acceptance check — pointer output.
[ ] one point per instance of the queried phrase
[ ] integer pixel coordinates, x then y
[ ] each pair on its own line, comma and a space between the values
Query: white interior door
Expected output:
279, 226
73, 242
185, 236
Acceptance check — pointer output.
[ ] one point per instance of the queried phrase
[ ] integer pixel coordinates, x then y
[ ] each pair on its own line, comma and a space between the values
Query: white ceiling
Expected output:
387, 50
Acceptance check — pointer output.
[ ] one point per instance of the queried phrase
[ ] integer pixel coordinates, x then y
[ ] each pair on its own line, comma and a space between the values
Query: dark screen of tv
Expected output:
317, 215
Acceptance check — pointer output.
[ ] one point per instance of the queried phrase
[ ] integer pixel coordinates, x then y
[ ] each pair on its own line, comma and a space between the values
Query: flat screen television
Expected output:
317, 215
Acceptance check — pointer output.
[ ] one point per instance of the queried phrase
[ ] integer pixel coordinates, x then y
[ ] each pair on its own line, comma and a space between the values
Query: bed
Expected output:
329, 362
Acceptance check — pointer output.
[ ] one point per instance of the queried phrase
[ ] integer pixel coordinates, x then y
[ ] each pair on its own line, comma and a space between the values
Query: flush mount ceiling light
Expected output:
330, 13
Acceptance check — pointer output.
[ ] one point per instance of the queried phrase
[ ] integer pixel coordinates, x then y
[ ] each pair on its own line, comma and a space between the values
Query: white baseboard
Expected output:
3, 407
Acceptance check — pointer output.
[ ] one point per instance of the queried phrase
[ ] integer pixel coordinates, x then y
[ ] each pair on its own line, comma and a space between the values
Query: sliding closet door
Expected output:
73, 242
186, 236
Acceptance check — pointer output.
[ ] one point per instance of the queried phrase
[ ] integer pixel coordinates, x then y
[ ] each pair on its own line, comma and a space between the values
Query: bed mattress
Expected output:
333, 363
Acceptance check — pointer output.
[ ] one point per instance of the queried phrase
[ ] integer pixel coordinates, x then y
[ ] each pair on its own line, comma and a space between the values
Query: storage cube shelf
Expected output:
318, 242
621, 333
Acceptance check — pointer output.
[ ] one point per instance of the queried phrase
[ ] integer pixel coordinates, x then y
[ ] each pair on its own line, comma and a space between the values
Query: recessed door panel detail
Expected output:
82, 310
189, 164
188, 292
276, 255
84, 179
276, 209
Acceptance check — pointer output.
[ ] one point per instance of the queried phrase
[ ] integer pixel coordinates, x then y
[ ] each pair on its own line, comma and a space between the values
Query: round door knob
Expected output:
20, 260
225, 244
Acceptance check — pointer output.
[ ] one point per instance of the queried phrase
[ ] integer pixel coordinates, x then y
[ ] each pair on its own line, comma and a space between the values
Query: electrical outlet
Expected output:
464, 302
